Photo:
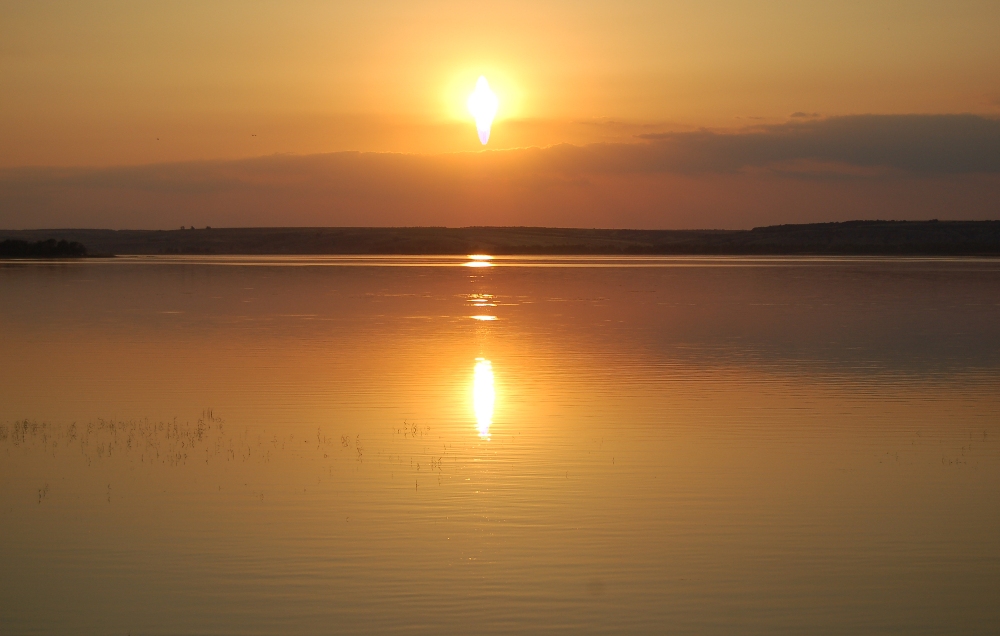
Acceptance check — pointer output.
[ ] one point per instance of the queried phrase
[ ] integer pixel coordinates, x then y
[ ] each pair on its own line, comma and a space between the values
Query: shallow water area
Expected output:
437, 445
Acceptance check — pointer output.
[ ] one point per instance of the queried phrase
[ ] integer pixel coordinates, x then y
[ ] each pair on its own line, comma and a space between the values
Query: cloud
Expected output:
919, 144
886, 166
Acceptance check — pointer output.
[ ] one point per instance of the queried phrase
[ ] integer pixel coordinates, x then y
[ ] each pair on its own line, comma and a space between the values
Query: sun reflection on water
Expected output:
483, 396
479, 260
482, 300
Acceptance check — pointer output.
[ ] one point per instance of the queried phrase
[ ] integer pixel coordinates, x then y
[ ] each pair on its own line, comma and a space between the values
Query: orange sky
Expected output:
112, 84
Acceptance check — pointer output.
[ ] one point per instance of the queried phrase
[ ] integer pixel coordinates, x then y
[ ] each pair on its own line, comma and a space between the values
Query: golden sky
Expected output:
116, 83
96, 83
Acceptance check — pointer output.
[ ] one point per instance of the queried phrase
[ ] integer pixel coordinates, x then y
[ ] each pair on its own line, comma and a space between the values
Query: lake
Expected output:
441, 445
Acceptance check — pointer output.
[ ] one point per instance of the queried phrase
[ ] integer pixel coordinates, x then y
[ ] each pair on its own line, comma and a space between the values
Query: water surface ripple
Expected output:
441, 445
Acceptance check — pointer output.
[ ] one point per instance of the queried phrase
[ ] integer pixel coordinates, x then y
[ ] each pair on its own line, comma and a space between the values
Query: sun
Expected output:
483, 105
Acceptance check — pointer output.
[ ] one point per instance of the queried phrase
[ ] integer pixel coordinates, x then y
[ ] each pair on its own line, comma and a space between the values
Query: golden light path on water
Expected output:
479, 260
483, 396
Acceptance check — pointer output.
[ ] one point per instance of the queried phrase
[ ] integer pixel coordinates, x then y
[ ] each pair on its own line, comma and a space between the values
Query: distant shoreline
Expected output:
45, 248
858, 238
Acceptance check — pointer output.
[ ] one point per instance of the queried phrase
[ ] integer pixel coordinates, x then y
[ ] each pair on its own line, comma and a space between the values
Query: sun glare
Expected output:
483, 105
483, 396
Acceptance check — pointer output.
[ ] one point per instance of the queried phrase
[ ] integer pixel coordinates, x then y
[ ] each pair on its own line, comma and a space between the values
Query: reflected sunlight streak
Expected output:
479, 260
483, 396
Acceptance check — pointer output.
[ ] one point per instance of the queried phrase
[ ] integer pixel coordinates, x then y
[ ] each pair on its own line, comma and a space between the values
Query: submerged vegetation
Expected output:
129, 444
51, 248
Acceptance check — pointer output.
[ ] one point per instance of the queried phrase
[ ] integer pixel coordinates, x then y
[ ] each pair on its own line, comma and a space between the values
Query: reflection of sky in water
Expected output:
673, 446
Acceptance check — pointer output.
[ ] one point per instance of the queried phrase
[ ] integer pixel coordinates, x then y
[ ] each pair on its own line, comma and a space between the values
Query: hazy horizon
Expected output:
725, 114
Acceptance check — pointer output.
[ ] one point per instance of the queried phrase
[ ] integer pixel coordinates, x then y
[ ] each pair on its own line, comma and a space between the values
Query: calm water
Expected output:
412, 445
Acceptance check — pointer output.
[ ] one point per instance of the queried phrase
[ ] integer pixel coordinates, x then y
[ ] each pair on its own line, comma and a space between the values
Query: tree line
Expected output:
13, 248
